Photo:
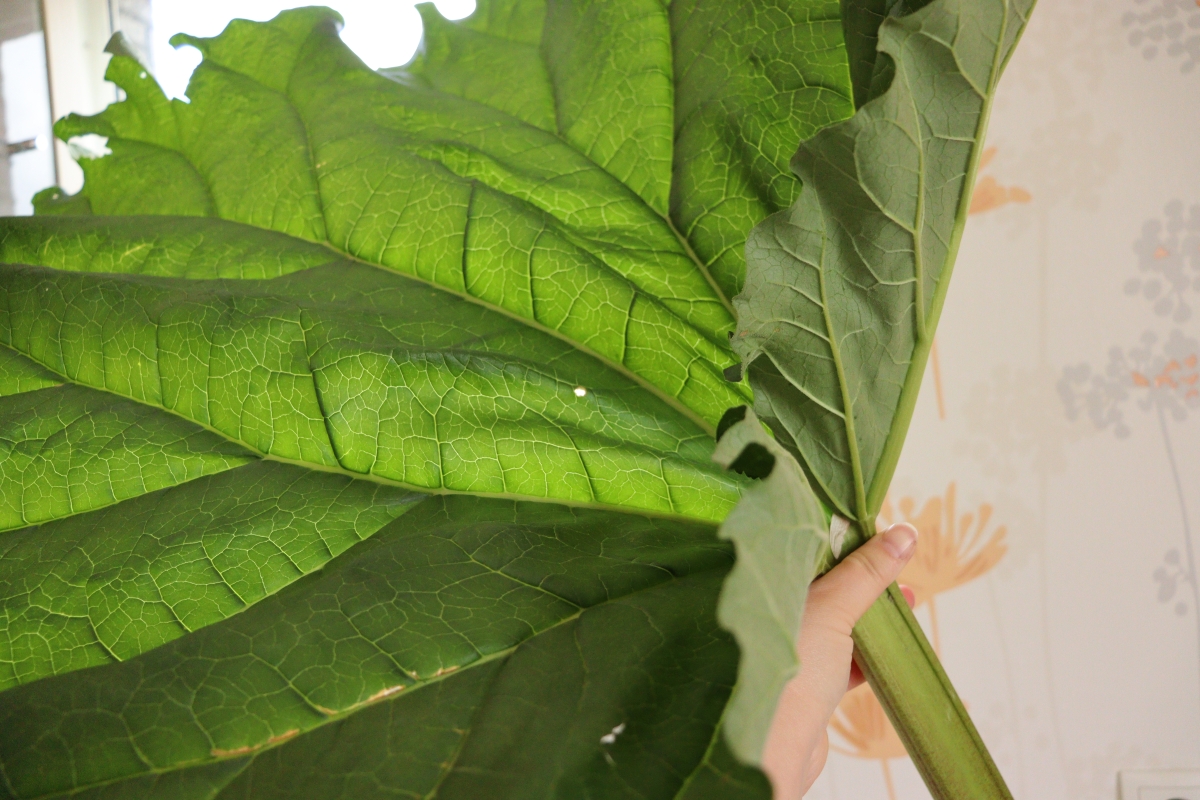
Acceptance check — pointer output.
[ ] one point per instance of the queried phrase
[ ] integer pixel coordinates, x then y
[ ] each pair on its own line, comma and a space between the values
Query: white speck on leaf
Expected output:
580, 391
611, 737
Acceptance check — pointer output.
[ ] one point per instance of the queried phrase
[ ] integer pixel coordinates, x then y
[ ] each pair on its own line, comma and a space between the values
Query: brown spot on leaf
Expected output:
382, 693
250, 748
237, 751
283, 737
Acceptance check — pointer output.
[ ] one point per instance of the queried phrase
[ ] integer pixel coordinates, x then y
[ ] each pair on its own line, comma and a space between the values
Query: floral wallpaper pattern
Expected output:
1160, 375
1172, 26
1053, 465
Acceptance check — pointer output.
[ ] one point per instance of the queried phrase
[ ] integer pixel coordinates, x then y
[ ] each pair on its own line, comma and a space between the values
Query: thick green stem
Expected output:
909, 681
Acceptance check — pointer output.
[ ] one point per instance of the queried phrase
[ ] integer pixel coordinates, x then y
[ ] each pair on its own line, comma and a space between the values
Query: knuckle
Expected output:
870, 568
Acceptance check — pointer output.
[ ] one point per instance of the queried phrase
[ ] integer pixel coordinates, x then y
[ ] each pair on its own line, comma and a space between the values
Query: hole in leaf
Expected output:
730, 418
754, 462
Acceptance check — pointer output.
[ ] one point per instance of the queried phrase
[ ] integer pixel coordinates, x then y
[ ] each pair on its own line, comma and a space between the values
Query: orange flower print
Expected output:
866, 732
954, 548
1174, 375
989, 194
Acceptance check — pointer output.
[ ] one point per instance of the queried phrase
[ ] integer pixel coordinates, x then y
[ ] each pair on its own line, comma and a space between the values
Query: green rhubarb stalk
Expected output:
783, 538
908, 679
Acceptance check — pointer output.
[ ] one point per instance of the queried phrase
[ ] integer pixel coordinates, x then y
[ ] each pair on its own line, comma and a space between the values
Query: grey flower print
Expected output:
1169, 262
1165, 377
1169, 577
1170, 26
1099, 396
1160, 376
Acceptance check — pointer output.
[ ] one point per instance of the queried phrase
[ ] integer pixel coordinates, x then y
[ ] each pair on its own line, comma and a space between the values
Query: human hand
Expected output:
798, 744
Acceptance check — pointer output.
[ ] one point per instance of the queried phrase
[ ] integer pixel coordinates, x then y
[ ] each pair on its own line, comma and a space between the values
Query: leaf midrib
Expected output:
860, 497
425, 490
26, 523
673, 402
684, 242
868, 499
889, 456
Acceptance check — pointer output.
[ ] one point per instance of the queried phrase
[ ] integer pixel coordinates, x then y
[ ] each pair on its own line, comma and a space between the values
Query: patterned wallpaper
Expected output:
1053, 466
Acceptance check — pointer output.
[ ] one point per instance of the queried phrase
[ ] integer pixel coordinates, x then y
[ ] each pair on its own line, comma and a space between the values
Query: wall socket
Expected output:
1160, 784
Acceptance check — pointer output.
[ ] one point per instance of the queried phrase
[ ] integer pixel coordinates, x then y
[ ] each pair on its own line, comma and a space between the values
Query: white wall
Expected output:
1077, 651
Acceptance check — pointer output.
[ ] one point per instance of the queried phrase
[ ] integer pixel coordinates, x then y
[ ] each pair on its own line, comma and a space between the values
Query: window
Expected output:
52, 63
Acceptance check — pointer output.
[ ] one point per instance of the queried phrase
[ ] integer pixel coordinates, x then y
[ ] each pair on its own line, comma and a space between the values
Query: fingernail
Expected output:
900, 540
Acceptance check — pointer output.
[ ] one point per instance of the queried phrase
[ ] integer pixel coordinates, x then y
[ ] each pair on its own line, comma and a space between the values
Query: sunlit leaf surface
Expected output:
356, 428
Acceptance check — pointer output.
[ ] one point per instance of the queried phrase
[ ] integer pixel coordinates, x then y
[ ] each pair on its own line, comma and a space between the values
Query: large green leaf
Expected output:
18, 374
360, 443
844, 289
344, 367
68, 449
173, 561
472, 648
552, 199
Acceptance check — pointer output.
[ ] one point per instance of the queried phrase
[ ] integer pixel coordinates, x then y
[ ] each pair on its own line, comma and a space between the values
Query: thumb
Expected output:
835, 602
849, 589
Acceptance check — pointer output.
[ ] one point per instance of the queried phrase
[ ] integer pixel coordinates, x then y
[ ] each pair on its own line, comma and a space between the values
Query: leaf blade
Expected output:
590, 265
844, 289
378, 377
365, 170
780, 533
502, 560
172, 561
67, 450
842, 297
